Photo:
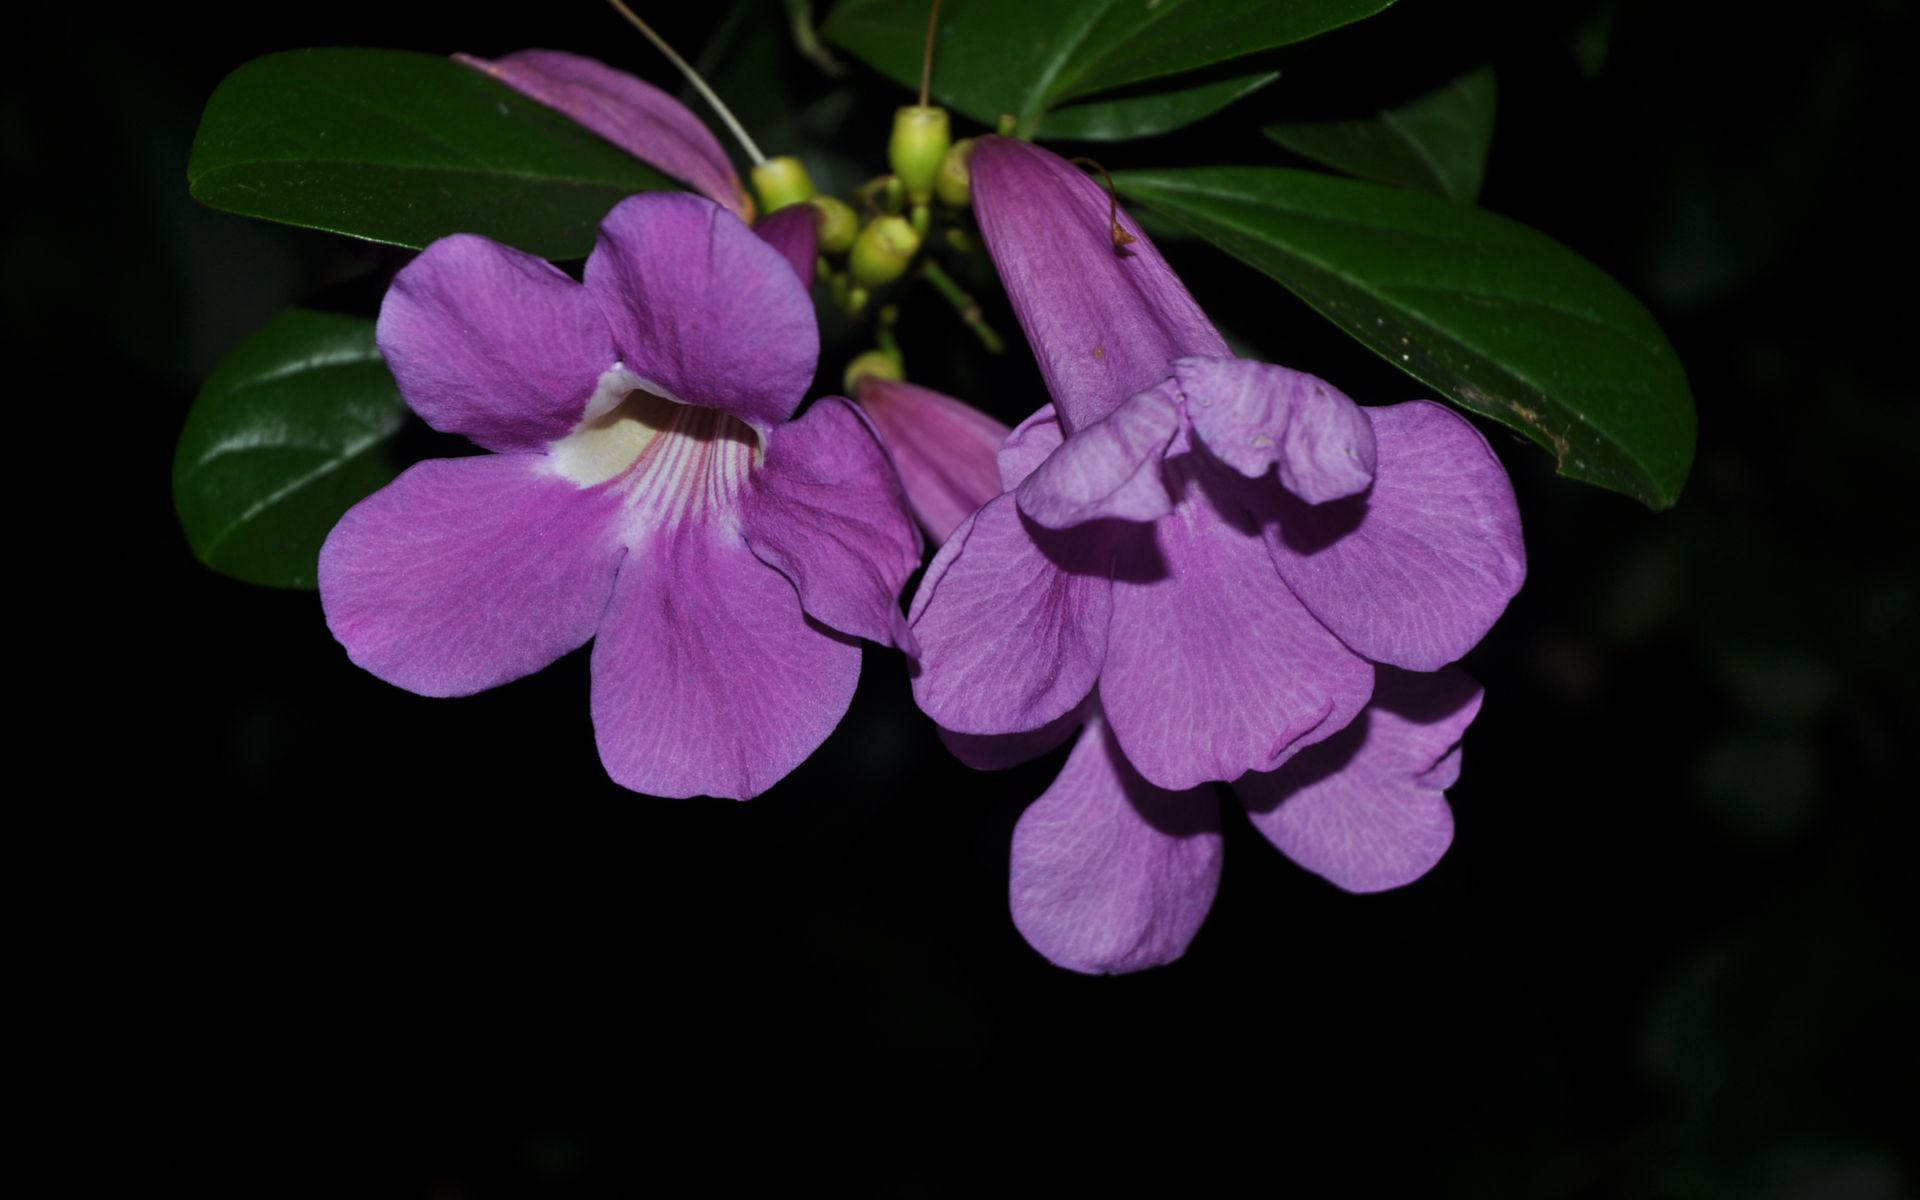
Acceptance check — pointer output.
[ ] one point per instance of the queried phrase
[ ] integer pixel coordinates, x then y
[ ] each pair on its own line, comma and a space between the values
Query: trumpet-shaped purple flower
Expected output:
944, 449
647, 490
1220, 570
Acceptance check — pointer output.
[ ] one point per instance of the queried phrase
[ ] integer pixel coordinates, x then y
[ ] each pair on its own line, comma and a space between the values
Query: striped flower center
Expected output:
669, 462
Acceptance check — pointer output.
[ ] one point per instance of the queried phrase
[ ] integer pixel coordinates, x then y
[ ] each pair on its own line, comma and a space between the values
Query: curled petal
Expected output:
943, 448
792, 232
1109, 469
826, 511
702, 310
707, 677
1105, 321
1011, 636
635, 116
1212, 667
1028, 446
1252, 415
1366, 809
1414, 572
492, 343
1109, 873
465, 573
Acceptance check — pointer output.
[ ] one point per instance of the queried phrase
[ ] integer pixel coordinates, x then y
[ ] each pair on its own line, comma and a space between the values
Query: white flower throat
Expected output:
669, 461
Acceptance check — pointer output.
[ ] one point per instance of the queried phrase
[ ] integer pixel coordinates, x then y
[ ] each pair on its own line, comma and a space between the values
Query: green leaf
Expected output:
1150, 114
1023, 58
294, 427
1434, 143
399, 147
1499, 318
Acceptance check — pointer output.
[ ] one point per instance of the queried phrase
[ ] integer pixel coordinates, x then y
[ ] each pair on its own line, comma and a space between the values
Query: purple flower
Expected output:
647, 490
655, 128
943, 448
1219, 570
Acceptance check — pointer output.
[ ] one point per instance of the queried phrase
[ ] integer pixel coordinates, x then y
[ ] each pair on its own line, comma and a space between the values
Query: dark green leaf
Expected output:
399, 147
1436, 143
1023, 58
294, 427
1499, 318
1149, 114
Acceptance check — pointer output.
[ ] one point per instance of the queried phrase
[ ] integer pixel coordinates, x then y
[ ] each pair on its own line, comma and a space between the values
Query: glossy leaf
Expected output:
293, 428
399, 147
1437, 142
1023, 58
1149, 114
1499, 318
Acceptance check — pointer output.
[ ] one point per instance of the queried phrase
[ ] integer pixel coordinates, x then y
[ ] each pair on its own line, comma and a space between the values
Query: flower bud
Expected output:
883, 251
954, 181
782, 182
920, 140
835, 223
876, 364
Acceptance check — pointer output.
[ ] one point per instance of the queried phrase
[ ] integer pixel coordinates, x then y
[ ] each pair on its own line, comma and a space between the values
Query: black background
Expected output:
311, 935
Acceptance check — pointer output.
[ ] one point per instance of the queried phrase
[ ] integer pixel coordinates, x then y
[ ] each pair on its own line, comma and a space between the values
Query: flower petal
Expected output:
1213, 668
793, 233
1109, 469
998, 751
1253, 415
464, 573
1109, 873
1028, 446
1416, 571
635, 116
1011, 629
826, 511
702, 310
1105, 321
1367, 809
944, 450
707, 677
492, 343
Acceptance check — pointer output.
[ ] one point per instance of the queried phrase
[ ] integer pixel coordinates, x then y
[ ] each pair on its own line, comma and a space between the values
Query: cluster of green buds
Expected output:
882, 231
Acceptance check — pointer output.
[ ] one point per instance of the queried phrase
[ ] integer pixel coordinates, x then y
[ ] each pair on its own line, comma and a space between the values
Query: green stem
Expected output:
806, 39
964, 305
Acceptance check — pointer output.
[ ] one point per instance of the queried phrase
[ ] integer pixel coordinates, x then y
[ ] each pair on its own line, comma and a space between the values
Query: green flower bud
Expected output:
881, 364
954, 182
920, 140
835, 223
883, 251
781, 182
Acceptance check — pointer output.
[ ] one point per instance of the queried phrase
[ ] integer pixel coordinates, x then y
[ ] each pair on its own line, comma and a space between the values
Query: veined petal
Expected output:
1105, 321
1011, 634
1109, 873
635, 116
1028, 446
1109, 469
703, 311
1366, 809
998, 751
793, 233
492, 343
825, 509
1414, 572
943, 448
464, 573
1212, 667
707, 677
1253, 415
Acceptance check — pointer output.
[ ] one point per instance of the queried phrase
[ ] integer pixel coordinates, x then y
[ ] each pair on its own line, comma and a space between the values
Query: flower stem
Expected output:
693, 77
964, 305
926, 59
